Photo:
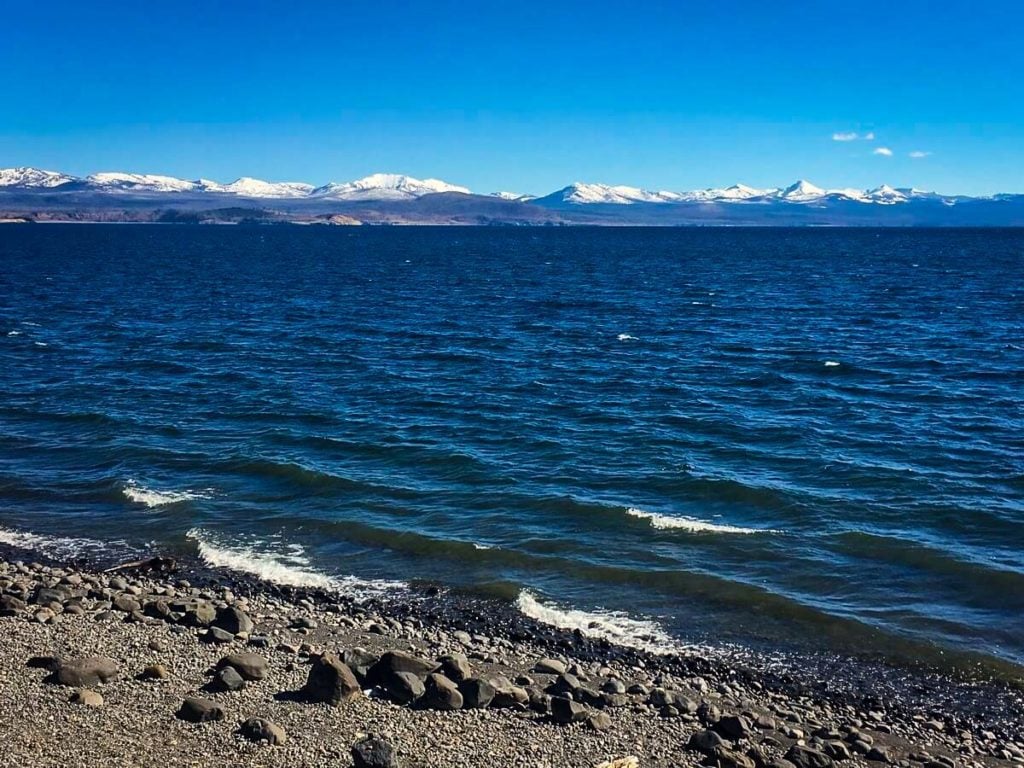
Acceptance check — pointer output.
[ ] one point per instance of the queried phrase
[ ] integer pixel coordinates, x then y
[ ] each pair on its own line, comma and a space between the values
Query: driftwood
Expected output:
164, 564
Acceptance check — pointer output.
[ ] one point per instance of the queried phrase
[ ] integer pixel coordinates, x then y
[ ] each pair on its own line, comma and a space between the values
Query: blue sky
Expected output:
521, 96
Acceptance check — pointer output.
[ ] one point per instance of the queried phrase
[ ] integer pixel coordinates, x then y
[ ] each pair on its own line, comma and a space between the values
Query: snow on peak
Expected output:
512, 196
801, 191
386, 186
581, 192
250, 187
141, 182
32, 177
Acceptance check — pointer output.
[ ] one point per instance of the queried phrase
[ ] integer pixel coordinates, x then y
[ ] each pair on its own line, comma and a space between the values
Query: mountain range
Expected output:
34, 194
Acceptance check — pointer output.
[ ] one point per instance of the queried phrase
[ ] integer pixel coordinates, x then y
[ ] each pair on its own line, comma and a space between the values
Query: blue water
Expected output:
806, 438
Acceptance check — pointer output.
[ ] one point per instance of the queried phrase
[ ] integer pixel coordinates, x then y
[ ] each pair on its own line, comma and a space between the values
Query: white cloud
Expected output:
918, 154
845, 136
869, 136
884, 151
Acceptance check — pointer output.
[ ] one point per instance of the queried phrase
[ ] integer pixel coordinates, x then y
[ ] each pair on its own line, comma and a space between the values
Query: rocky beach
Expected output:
160, 663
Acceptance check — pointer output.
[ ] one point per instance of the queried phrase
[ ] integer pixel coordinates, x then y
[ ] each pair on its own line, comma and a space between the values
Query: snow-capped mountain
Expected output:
513, 196
735, 192
582, 193
29, 178
385, 186
250, 187
139, 182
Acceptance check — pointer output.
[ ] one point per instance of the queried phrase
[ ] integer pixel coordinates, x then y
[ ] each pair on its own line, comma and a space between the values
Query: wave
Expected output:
138, 494
691, 524
14, 333
832, 363
56, 546
613, 626
289, 568
626, 337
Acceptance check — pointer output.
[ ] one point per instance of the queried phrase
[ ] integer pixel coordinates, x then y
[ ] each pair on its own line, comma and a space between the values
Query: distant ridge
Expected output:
42, 195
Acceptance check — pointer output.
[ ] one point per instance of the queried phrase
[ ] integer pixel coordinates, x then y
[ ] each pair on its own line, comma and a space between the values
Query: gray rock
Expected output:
331, 681
258, 729
251, 666
565, 710
805, 757
86, 672
155, 672
878, 755
233, 620
404, 687
441, 693
727, 758
228, 679
374, 752
455, 666
394, 662
360, 661
477, 693
549, 667
599, 721
127, 603
705, 742
218, 636
200, 711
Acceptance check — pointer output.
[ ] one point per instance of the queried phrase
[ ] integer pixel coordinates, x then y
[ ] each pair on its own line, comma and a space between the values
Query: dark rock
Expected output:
878, 755
455, 666
330, 681
228, 679
705, 742
709, 713
217, 636
734, 727
374, 752
360, 662
613, 686
507, 695
258, 729
394, 662
155, 672
599, 721
51, 663
233, 620
441, 693
127, 603
200, 614
86, 672
200, 711
476, 693
251, 666
404, 687
49, 595
805, 757
11, 605
565, 685
565, 710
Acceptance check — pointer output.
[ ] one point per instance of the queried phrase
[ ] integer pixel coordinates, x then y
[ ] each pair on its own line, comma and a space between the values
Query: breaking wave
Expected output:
289, 568
613, 626
148, 497
691, 524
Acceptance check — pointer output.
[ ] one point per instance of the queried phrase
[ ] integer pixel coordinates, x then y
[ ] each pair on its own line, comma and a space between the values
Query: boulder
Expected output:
599, 721
86, 672
233, 620
476, 692
565, 710
258, 729
330, 681
705, 742
805, 757
733, 727
441, 693
374, 752
360, 661
549, 667
200, 711
403, 687
228, 679
728, 758
155, 672
455, 667
251, 666
217, 636
393, 662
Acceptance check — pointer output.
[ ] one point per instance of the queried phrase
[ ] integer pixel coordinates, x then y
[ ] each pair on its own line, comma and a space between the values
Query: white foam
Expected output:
14, 333
613, 626
290, 567
41, 344
137, 494
627, 337
54, 546
831, 363
691, 524
481, 546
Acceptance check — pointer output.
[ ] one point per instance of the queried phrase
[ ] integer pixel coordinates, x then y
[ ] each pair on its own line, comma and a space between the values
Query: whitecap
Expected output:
831, 363
481, 546
41, 344
691, 524
626, 337
14, 333
137, 494
54, 546
290, 568
613, 626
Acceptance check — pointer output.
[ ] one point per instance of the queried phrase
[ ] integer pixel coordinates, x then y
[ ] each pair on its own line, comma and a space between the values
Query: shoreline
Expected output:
813, 701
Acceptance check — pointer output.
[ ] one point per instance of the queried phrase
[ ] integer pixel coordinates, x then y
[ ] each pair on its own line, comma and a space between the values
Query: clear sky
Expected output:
521, 96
